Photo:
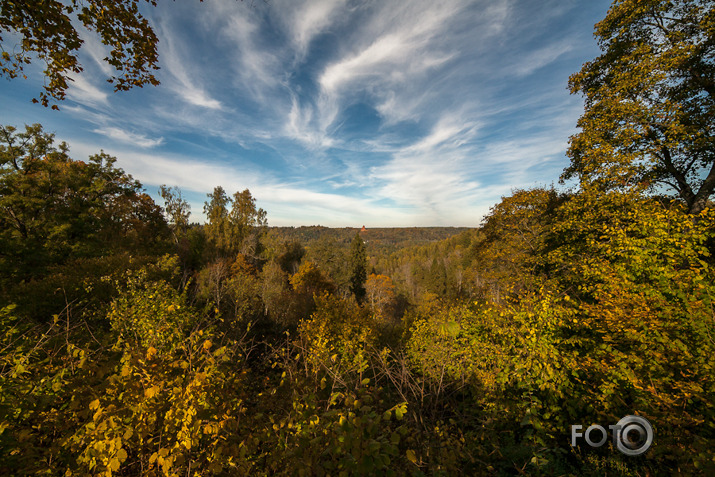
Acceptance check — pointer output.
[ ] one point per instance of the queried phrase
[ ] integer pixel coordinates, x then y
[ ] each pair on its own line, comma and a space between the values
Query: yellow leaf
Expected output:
151, 392
122, 455
207, 344
411, 456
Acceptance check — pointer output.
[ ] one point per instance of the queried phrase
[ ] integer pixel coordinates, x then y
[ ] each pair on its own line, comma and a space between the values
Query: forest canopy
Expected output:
138, 343
134, 342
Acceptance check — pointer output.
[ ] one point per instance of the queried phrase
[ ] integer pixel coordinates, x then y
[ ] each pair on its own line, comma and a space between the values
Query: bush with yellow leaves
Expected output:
151, 314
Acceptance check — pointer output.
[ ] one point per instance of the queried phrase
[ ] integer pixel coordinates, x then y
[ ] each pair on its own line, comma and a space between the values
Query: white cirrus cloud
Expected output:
341, 112
306, 20
83, 91
128, 137
186, 86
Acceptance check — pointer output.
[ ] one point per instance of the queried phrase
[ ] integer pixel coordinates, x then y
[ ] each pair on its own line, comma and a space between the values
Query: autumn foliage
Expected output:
133, 342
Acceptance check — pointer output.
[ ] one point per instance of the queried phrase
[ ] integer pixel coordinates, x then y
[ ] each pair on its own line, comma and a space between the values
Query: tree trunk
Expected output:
700, 200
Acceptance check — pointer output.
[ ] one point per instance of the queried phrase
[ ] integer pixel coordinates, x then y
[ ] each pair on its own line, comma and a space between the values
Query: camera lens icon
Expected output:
633, 435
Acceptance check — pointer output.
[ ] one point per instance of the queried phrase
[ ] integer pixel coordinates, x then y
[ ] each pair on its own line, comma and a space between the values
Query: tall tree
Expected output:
245, 217
233, 223
358, 267
650, 101
216, 210
380, 295
437, 279
176, 209
54, 208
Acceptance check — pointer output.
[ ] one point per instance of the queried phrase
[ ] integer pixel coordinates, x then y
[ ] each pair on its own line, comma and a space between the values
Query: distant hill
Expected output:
384, 239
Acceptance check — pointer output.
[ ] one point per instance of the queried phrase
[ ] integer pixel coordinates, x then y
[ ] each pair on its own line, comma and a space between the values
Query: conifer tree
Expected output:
358, 267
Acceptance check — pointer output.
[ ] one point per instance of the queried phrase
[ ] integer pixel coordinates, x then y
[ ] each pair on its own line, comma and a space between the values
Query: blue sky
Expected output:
338, 113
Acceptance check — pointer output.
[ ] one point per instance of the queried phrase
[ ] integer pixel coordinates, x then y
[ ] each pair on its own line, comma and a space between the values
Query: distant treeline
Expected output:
385, 237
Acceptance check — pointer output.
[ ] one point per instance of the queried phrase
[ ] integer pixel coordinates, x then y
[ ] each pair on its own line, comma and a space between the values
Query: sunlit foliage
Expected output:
649, 101
129, 346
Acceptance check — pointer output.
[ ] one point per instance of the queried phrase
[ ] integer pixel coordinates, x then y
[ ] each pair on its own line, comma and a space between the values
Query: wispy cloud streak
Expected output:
121, 135
187, 87
340, 112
